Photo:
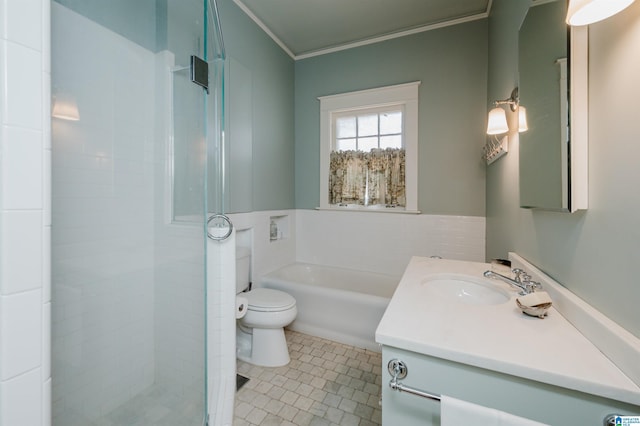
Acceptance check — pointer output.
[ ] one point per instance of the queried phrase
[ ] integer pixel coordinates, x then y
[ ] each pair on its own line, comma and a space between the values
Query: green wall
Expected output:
593, 253
260, 83
451, 62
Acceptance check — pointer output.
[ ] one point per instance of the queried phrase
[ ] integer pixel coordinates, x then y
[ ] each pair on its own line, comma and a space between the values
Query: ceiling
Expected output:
306, 28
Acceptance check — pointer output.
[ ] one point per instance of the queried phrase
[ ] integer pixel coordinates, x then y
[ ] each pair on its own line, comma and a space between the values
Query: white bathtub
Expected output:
342, 305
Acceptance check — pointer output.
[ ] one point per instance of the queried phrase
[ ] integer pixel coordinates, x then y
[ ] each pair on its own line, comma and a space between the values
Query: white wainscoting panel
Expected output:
384, 243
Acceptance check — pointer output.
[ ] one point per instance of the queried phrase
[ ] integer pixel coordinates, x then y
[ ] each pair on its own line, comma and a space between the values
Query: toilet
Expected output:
260, 332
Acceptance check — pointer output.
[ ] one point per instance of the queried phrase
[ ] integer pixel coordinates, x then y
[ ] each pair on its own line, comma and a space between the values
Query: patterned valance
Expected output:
368, 178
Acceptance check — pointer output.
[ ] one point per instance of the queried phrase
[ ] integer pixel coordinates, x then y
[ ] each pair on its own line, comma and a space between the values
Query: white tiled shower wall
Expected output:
103, 247
25, 213
221, 333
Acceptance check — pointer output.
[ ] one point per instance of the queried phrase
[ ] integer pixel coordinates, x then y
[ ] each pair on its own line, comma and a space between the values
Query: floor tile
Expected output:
326, 383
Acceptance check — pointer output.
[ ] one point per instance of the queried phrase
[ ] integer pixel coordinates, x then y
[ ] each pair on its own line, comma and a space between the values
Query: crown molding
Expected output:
363, 42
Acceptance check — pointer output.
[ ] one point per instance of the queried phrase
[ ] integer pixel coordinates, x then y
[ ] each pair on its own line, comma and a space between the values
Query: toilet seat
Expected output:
269, 300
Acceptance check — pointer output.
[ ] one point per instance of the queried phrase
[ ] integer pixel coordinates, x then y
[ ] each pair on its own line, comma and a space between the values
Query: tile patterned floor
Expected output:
325, 384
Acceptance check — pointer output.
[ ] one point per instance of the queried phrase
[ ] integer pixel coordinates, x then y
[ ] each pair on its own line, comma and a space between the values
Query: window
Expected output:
369, 149
376, 128
367, 159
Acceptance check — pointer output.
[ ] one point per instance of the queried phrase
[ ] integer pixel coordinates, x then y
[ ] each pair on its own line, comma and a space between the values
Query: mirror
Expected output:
553, 89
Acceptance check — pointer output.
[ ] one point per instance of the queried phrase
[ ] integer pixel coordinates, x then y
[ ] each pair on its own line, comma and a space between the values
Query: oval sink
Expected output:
464, 289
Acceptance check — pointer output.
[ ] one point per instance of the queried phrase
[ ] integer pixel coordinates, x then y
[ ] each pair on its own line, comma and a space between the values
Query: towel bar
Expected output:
398, 370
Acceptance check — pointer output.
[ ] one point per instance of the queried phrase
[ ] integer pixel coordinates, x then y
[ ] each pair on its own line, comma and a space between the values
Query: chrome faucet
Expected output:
521, 281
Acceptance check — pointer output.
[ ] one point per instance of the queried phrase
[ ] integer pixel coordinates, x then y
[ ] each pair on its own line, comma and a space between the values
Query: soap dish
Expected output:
535, 304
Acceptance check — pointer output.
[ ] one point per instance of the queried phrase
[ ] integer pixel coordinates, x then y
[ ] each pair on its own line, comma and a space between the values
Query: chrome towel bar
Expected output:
398, 370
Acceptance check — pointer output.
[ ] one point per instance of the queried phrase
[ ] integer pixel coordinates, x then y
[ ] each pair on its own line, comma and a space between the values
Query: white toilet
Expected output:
260, 332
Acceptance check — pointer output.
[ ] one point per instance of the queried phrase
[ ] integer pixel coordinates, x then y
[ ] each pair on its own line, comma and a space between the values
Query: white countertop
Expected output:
497, 337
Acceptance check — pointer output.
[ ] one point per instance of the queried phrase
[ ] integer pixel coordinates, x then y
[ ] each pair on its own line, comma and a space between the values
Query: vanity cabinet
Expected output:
462, 334
537, 401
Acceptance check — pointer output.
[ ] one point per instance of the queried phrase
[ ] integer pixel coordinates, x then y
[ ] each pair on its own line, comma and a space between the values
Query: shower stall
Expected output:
142, 255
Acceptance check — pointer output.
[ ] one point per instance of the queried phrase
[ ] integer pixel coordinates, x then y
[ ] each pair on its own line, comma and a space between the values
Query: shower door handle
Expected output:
220, 222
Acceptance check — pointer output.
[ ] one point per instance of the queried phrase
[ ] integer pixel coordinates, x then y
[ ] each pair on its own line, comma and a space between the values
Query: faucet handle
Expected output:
525, 280
532, 285
519, 273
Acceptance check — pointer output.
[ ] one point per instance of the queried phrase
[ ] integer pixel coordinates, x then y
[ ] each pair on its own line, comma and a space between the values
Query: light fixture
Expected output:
497, 123
522, 119
65, 107
585, 12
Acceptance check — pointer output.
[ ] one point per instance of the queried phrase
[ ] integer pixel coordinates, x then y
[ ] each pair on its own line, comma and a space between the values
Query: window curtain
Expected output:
368, 178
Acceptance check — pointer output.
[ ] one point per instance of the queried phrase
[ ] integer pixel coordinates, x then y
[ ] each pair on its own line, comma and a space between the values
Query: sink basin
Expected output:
464, 289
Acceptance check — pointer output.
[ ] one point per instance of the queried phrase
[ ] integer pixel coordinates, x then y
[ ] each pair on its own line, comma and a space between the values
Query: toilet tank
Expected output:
243, 268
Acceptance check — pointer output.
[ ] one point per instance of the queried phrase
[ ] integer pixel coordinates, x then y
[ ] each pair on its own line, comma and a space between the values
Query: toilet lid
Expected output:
267, 299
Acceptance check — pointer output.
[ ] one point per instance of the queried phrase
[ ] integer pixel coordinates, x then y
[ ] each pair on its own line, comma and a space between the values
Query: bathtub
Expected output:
338, 304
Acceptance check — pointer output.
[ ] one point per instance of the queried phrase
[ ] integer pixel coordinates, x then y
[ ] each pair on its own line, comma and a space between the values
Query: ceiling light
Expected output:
585, 12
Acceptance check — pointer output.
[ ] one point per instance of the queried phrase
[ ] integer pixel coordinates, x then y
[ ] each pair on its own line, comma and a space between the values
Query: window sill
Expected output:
367, 210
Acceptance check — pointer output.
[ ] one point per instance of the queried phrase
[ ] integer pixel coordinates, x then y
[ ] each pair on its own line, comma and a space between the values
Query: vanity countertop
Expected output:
497, 337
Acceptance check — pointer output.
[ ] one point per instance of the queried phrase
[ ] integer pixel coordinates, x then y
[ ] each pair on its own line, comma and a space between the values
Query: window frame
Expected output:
403, 95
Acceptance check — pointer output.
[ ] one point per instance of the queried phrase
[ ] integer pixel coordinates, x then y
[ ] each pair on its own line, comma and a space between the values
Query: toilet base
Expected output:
266, 347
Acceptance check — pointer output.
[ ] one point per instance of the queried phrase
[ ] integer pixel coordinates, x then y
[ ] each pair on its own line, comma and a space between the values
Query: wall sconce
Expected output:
65, 107
497, 122
522, 119
585, 12
497, 125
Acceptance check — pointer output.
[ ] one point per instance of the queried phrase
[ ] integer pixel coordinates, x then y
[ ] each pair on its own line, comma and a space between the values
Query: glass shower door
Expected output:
134, 178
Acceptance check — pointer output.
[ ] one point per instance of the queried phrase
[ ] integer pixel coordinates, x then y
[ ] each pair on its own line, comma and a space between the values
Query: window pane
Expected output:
346, 127
367, 125
366, 144
390, 122
394, 141
346, 144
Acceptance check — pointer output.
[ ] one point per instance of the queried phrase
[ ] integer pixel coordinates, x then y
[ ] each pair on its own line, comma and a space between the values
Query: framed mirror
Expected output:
553, 88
